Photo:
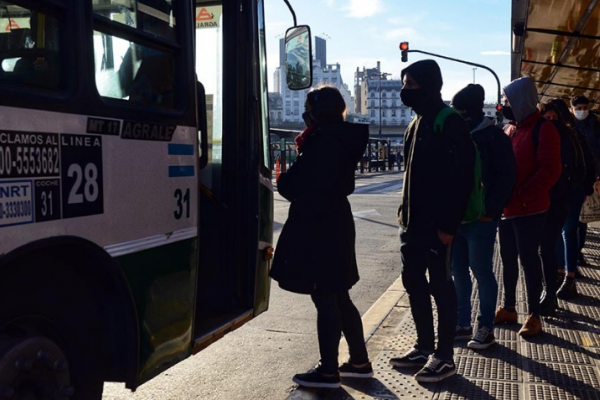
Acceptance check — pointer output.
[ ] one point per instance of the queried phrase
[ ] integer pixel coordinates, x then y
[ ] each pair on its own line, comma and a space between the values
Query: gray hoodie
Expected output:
523, 98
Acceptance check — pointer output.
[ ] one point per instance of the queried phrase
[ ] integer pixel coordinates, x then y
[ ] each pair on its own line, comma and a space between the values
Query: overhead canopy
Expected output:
557, 44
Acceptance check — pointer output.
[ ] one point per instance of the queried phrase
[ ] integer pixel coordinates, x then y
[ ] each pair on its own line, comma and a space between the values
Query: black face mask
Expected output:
413, 98
307, 118
508, 113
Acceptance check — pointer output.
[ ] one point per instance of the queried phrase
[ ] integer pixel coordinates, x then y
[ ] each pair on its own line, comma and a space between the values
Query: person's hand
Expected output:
485, 219
445, 238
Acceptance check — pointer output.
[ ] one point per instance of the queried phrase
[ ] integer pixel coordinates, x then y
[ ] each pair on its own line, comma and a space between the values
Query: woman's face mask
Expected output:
581, 114
307, 117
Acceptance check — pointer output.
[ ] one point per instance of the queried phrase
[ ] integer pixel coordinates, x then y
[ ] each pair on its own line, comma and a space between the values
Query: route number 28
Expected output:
183, 201
90, 187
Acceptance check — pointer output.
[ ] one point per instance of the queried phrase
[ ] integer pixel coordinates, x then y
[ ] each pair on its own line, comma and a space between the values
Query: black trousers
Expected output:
551, 235
417, 259
520, 240
336, 314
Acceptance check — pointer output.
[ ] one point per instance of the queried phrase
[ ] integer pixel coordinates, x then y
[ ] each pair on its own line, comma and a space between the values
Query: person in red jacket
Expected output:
536, 144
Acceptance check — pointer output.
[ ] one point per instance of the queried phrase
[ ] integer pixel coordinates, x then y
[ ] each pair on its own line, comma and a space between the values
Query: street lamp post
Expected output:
474, 69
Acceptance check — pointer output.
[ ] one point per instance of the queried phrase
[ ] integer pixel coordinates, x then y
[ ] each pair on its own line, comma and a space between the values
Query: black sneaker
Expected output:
348, 370
315, 379
483, 339
548, 306
568, 289
463, 332
412, 358
436, 370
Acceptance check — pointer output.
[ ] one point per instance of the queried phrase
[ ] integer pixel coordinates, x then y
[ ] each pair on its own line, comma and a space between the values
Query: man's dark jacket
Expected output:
316, 248
439, 174
590, 129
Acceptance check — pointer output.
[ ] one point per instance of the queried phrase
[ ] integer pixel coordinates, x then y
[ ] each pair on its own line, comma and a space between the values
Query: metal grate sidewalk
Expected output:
563, 363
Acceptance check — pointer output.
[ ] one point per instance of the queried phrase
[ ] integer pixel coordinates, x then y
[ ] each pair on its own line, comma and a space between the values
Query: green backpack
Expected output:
476, 205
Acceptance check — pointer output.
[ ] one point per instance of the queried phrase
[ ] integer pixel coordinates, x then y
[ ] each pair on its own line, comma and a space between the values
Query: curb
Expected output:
372, 320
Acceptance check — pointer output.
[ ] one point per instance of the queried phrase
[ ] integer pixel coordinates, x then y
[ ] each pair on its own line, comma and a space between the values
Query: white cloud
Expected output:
495, 53
401, 33
363, 8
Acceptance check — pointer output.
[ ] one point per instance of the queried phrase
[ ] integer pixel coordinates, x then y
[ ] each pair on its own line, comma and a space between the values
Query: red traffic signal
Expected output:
498, 107
404, 49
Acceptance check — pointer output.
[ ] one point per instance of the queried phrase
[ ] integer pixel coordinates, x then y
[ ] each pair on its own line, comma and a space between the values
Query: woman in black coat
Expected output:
315, 253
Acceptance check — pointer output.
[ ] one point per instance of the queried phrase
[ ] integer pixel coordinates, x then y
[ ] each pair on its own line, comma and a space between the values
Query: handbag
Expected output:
590, 211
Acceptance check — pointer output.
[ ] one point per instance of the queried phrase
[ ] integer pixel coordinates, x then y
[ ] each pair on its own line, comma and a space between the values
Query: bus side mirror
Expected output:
298, 57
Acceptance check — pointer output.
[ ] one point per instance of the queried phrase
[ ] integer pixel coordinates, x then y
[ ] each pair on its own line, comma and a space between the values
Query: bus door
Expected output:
225, 275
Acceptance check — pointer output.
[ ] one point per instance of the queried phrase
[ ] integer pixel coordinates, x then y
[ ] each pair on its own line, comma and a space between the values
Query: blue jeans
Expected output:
473, 246
568, 249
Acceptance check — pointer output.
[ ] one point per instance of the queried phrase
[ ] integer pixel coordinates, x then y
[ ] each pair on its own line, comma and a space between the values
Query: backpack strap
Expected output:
536, 131
440, 118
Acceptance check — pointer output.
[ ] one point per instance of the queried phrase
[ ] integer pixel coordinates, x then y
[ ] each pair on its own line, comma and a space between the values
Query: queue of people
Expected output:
524, 184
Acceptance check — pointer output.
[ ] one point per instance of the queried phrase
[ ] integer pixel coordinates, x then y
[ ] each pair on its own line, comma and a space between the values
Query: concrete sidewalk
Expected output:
562, 363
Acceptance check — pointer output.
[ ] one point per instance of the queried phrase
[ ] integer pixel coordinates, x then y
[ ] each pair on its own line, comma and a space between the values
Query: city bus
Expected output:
136, 200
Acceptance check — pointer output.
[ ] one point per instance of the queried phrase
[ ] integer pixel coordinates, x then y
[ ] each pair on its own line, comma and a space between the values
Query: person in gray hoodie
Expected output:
473, 244
536, 144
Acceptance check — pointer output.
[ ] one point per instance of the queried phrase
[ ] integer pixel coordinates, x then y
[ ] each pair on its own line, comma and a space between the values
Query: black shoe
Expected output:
348, 370
483, 339
412, 358
436, 370
568, 289
548, 305
463, 332
315, 379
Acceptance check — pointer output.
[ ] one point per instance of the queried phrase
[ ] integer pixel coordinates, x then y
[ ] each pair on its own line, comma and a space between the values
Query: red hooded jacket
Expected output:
538, 169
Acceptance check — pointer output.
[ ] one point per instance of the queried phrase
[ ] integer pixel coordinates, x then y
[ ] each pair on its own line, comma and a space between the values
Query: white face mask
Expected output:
581, 114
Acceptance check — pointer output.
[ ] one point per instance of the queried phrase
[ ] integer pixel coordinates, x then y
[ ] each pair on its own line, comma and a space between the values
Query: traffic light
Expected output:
499, 116
404, 50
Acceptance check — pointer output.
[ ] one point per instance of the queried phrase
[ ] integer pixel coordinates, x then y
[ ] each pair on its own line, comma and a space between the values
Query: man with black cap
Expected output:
473, 244
438, 179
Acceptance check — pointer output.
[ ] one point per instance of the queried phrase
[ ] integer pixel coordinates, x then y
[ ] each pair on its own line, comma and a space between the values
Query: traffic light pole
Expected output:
463, 62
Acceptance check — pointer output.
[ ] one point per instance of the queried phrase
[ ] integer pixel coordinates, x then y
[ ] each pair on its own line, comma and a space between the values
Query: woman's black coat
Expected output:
316, 248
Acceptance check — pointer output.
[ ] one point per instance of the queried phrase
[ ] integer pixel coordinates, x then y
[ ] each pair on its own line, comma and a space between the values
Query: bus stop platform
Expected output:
563, 363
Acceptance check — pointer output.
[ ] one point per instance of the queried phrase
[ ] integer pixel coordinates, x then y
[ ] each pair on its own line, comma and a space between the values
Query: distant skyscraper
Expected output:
281, 52
321, 50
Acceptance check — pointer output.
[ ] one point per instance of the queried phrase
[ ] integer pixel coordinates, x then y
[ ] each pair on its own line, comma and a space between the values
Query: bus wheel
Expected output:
33, 368
49, 343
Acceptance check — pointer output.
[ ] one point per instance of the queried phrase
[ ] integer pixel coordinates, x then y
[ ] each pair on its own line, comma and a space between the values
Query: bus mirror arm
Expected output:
202, 124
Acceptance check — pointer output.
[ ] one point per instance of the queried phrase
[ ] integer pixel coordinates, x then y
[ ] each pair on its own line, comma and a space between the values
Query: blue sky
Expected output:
361, 32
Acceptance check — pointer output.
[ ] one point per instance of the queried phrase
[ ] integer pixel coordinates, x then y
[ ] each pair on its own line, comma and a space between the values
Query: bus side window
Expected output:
125, 70
151, 16
29, 49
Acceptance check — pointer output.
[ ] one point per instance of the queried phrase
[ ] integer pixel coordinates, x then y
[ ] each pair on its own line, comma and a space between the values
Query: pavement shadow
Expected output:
544, 372
460, 387
365, 387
